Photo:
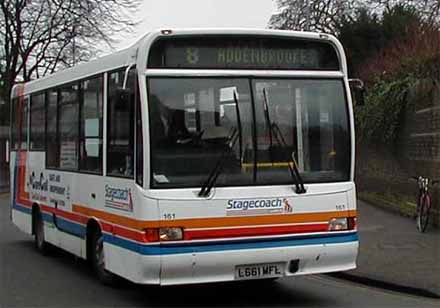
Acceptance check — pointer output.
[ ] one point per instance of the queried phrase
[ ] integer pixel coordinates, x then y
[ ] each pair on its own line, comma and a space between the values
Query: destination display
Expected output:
242, 53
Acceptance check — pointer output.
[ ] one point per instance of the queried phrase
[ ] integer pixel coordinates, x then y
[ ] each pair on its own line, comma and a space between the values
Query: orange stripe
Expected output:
212, 222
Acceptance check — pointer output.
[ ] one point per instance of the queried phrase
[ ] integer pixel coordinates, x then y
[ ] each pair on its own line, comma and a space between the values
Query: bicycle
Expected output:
423, 202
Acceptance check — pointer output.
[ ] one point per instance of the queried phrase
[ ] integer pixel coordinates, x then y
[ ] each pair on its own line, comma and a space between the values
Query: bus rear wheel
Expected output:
98, 260
40, 243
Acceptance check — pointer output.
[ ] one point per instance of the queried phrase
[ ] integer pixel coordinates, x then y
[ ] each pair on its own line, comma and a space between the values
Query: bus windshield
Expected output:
278, 121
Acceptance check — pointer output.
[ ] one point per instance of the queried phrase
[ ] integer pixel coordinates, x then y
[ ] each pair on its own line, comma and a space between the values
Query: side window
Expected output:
91, 126
52, 144
14, 124
68, 126
24, 121
37, 122
139, 138
121, 120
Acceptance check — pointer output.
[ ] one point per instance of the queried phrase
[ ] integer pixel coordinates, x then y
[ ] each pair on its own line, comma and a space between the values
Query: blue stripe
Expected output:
70, 227
62, 224
195, 248
28, 210
22, 208
47, 217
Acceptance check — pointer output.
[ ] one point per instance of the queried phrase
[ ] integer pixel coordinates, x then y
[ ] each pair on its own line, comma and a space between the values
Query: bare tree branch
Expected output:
36, 36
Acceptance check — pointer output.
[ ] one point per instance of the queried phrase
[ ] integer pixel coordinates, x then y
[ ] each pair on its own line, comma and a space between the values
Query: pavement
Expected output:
393, 253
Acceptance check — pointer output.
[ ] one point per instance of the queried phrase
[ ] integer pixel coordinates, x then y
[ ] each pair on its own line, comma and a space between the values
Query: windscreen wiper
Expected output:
215, 172
294, 172
274, 130
232, 139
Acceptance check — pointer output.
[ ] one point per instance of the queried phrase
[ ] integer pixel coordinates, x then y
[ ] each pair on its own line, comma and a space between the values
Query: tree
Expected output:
37, 37
361, 36
367, 34
428, 10
397, 21
327, 15
312, 15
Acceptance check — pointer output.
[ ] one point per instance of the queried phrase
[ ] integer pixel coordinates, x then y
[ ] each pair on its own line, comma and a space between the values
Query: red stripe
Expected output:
127, 233
71, 216
255, 231
114, 229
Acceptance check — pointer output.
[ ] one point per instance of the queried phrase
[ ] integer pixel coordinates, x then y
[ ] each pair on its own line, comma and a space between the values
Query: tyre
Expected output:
423, 213
98, 260
40, 243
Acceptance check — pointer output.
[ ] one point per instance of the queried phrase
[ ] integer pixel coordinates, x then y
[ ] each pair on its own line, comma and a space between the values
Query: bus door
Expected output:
119, 184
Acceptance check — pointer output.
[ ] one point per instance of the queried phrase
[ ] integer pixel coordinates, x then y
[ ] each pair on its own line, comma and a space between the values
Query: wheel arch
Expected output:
93, 225
35, 210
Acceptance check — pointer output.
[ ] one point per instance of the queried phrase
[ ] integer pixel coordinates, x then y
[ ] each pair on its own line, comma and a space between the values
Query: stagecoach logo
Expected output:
287, 207
118, 198
258, 206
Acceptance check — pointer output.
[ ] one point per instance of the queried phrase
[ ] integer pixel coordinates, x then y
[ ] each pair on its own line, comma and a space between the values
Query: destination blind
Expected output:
242, 53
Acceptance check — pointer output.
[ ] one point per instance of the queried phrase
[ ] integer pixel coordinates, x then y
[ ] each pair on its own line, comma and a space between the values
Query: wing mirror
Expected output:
357, 88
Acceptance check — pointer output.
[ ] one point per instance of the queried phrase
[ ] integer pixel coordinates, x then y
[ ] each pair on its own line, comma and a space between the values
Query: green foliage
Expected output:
398, 21
361, 37
365, 35
379, 120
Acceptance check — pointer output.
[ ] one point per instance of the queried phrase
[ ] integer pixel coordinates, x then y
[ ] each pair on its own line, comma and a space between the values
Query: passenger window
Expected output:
24, 121
37, 122
121, 120
52, 144
91, 126
14, 124
139, 140
68, 126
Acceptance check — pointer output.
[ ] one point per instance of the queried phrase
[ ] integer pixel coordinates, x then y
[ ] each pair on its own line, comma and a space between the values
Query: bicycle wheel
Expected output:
423, 214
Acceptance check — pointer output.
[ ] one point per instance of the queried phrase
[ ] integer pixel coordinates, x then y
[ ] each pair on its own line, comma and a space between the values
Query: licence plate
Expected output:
259, 271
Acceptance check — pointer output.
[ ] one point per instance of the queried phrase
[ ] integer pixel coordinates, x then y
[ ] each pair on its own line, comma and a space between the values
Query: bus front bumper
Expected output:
202, 263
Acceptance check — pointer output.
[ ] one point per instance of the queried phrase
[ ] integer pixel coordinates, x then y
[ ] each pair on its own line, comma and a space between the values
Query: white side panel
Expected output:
22, 221
51, 234
351, 196
72, 244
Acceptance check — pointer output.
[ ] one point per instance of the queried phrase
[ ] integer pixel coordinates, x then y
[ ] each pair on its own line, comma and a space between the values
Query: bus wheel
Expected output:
40, 243
98, 260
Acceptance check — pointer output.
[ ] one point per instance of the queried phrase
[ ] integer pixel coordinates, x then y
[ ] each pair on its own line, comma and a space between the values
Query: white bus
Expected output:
193, 156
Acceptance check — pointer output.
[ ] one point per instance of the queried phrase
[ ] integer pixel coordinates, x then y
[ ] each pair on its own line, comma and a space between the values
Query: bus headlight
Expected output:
338, 224
170, 234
